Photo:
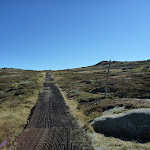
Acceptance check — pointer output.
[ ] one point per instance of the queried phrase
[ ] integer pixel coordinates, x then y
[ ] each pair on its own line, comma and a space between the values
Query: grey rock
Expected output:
133, 124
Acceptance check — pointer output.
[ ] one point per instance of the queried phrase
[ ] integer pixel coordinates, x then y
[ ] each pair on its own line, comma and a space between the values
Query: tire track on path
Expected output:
52, 126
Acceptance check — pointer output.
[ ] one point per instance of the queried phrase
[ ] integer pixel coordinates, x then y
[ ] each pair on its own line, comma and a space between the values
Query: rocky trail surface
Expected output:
52, 126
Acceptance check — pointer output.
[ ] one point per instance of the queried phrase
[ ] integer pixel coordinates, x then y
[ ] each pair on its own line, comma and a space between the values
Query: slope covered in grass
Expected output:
128, 82
128, 88
19, 91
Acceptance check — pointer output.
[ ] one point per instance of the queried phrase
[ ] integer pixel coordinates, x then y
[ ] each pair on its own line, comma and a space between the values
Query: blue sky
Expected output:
61, 34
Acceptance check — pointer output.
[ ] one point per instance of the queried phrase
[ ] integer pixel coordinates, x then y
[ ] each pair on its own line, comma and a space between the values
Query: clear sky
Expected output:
61, 34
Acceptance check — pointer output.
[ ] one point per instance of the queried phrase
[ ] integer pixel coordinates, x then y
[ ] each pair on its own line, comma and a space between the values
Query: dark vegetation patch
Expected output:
16, 84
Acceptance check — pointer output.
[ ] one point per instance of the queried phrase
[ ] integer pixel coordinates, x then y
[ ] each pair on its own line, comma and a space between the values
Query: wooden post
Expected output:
107, 79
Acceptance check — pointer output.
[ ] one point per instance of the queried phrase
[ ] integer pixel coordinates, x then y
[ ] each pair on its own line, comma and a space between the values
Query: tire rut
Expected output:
52, 126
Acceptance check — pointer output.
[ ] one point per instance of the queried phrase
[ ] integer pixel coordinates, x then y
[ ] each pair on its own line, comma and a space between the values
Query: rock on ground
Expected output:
133, 124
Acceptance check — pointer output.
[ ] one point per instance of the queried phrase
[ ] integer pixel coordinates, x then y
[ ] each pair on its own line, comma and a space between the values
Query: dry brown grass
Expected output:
14, 113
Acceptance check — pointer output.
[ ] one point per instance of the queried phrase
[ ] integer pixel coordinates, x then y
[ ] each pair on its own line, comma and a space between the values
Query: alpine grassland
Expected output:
19, 90
84, 91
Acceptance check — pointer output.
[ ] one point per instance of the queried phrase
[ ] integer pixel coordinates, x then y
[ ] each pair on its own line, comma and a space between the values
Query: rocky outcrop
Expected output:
133, 124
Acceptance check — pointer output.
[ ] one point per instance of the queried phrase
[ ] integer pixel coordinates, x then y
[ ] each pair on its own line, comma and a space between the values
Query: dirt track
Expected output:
52, 127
